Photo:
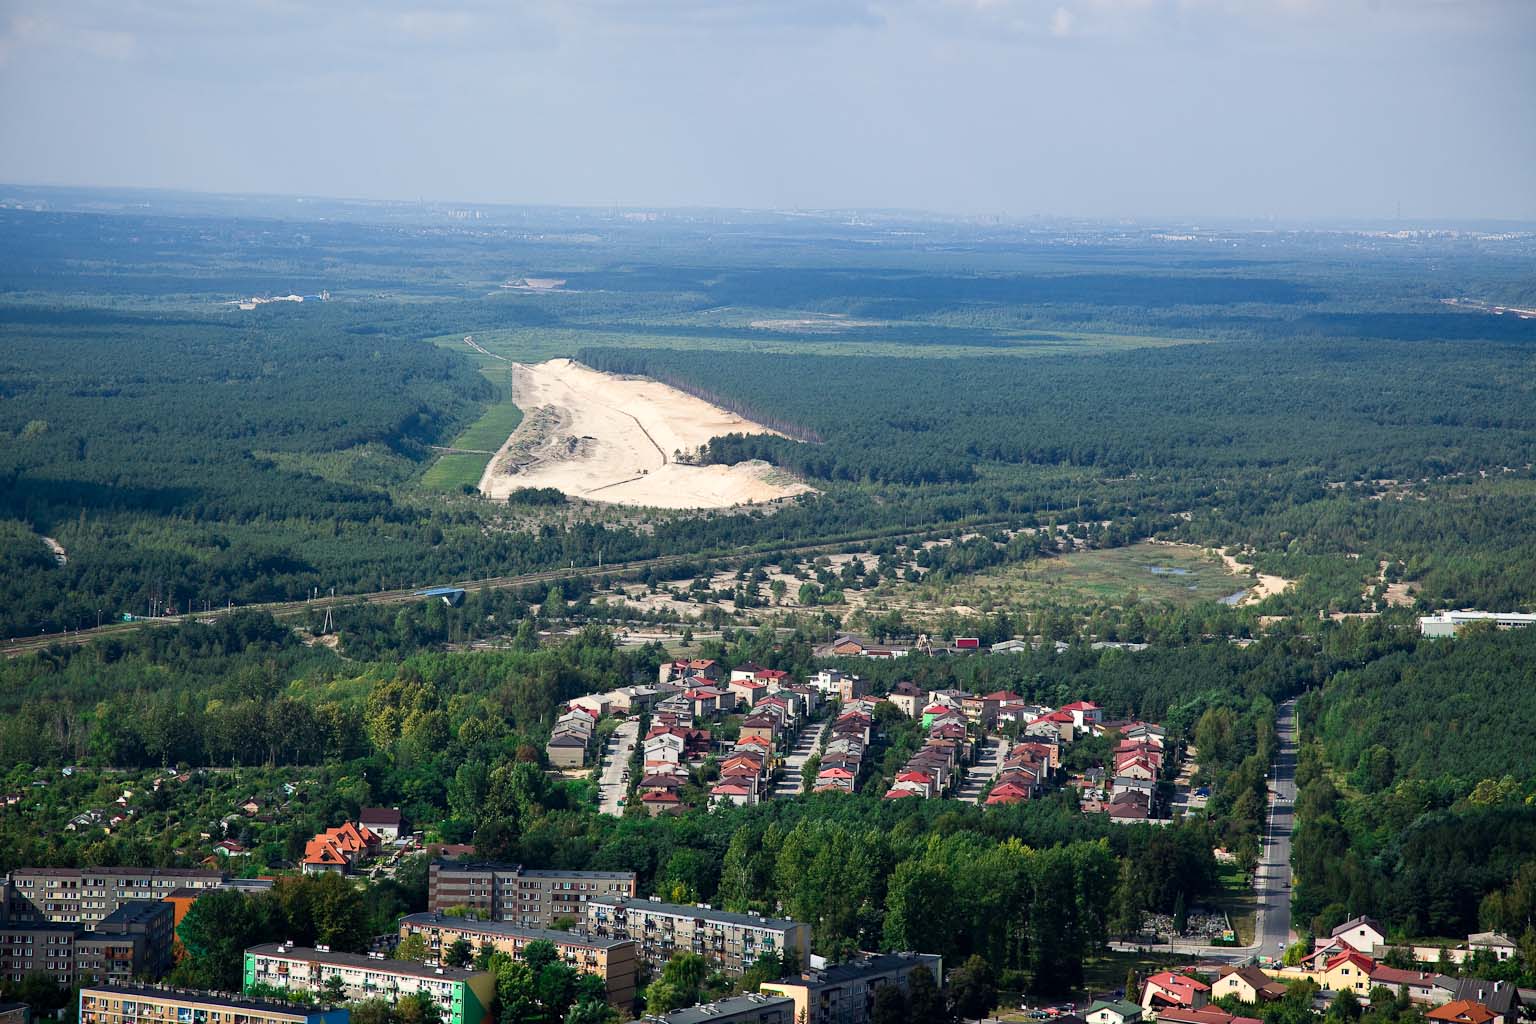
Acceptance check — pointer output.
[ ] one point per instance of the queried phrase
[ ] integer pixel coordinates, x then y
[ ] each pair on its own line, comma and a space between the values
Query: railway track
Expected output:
292, 609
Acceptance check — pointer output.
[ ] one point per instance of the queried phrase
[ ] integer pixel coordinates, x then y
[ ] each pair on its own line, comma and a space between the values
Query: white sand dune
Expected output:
609, 438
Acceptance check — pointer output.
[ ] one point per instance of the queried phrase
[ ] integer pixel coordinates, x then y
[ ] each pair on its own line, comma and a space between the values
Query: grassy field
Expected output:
454, 470
535, 344
1117, 576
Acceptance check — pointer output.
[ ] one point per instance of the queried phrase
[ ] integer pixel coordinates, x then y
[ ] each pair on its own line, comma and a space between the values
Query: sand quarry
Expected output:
614, 439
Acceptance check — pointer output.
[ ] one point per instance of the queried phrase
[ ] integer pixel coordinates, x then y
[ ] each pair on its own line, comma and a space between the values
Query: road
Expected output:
1272, 877
611, 786
979, 775
292, 609
789, 782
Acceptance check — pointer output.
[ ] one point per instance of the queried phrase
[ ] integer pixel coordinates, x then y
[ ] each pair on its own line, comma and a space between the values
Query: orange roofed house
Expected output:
1462, 1011
339, 849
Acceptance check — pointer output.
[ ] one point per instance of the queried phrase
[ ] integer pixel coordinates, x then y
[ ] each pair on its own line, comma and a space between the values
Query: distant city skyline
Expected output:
1298, 110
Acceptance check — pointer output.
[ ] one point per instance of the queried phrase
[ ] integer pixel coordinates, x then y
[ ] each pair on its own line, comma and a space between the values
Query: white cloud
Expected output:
1061, 23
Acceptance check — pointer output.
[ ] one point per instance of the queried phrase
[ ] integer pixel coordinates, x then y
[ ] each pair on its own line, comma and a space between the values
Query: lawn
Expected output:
454, 470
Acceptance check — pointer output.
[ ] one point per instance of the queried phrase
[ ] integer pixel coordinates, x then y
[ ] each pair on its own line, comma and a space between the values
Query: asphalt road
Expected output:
979, 775
1273, 878
610, 782
789, 781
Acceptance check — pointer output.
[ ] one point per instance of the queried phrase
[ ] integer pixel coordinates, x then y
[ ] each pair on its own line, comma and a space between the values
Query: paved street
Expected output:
610, 784
979, 775
789, 780
1273, 877
1273, 880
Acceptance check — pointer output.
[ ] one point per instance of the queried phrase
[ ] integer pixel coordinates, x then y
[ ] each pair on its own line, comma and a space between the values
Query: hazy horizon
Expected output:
1293, 110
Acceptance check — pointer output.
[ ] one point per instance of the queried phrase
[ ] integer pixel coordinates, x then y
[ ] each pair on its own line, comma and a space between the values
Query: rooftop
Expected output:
512, 931
853, 970
407, 967
188, 995
688, 910
483, 866
736, 1004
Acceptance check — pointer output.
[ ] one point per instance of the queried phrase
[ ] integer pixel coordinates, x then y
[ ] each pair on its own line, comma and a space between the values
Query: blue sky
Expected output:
1295, 109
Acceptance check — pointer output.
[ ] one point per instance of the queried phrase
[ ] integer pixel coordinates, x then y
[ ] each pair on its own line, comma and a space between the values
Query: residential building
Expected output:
566, 750
134, 941
1113, 1011
1419, 985
1348, 971
15, 1013
142, 1004
1249, 984
531, 897
982, 711
908, 697
87, 895
845, 993
1501, 946
1203, 1015
747, 1009
384, 822
1463, 1011
1166, 989
1499, 996
463, 996
616, 961
1364, 934
731, 941
339, 850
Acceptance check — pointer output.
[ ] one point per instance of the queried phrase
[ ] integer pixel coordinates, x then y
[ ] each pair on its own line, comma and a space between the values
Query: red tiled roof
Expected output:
1462, 1011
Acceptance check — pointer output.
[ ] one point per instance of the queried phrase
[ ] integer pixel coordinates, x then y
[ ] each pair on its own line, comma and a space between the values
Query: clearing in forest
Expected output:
617, 439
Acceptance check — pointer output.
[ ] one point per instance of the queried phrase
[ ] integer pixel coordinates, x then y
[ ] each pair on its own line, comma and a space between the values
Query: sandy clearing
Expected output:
1268, 586
613, 439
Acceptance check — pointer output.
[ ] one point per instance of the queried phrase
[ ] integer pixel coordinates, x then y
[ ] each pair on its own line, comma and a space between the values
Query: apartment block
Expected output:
134, 941
616, 961
464, 996
731, 941
845, 993
142, 1004
87, 895
531, 897
748, 1009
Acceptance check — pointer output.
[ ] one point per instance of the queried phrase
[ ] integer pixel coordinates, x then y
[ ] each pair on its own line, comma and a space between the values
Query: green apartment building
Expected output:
464, 996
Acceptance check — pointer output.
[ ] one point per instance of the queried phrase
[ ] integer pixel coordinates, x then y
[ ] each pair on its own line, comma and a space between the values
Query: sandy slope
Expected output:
609, 438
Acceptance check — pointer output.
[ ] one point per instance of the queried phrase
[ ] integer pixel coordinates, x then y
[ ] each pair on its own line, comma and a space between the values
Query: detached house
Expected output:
1350, 971
339, 850
1167, 990
1248, 984
1363, 934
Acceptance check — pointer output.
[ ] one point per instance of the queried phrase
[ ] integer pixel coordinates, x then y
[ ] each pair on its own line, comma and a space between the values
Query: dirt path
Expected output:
609, 438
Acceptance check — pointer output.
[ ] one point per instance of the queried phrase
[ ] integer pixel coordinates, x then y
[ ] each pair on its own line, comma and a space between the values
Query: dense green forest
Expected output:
1416, 801
1315, 412
185, 453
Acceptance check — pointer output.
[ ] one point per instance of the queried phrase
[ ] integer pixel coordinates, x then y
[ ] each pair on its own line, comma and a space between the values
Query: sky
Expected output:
1287, 109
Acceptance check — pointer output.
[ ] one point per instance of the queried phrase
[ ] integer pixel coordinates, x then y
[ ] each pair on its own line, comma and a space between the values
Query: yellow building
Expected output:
143, 1004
